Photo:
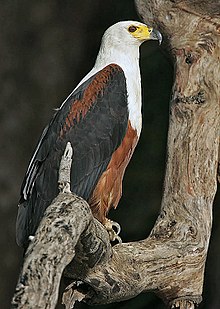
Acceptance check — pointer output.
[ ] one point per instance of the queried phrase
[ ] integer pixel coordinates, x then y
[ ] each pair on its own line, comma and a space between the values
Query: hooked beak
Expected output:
156, 35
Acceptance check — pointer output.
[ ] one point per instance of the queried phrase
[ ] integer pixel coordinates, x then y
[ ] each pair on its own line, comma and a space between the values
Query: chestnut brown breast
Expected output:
108, 190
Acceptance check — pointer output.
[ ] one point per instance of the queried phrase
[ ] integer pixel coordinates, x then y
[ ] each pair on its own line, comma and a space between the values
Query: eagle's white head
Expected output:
120, 44
122, 41
130, 33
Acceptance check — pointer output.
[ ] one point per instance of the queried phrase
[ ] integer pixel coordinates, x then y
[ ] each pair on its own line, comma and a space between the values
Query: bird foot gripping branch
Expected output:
113, 228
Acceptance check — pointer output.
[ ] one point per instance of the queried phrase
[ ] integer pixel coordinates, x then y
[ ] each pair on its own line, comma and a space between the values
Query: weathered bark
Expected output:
171, 260
51, 250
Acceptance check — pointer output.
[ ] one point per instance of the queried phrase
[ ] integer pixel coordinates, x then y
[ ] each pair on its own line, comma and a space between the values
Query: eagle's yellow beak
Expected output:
144, 33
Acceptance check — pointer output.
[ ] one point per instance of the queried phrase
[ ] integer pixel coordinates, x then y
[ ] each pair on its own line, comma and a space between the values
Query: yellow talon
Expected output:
113, 229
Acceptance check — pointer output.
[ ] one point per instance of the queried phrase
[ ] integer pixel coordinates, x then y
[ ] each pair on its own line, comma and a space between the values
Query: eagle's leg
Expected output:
113, 228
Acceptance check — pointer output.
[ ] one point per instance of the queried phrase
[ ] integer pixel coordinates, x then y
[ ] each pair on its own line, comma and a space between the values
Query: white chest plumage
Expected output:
133, 80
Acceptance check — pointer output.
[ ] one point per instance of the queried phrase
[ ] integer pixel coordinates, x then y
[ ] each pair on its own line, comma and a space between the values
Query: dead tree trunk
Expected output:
171, 260
192, 29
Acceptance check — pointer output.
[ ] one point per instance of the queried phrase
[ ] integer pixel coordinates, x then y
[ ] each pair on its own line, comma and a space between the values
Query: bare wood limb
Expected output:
51, 250
65, 167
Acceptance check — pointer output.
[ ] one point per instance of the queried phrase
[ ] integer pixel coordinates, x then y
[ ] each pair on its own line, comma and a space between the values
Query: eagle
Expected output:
102, 120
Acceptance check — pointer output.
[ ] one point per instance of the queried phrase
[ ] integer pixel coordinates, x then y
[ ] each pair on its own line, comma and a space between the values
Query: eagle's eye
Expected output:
132, 28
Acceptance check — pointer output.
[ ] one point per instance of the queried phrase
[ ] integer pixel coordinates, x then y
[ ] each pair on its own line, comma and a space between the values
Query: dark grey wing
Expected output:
94, 119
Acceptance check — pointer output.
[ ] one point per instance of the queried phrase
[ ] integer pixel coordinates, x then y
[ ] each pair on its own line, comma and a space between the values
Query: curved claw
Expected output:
118, 239
117, 226
113, 229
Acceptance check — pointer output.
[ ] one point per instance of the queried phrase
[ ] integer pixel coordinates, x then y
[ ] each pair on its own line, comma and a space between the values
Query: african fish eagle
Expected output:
102, 120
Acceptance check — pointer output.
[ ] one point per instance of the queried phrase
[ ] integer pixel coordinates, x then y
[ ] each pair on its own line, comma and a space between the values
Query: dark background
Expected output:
46, 47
